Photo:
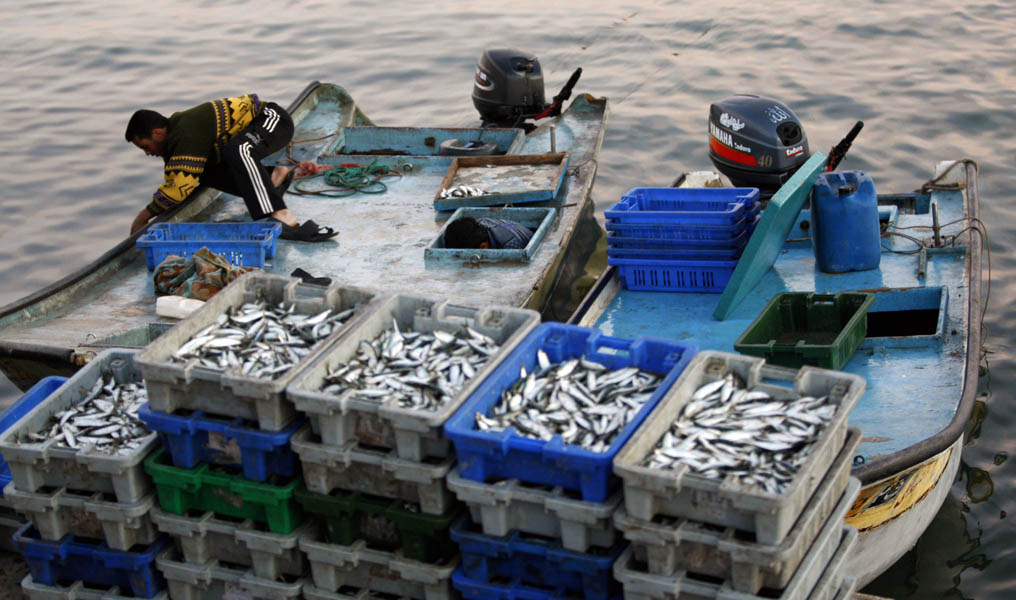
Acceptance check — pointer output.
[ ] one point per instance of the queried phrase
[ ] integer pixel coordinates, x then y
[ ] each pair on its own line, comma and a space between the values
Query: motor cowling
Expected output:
756, 142
508, 87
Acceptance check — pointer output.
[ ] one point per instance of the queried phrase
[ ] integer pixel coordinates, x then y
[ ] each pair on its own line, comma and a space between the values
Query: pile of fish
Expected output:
106, 419
580, 400
259, 340
421, 370
462, 191
728, 430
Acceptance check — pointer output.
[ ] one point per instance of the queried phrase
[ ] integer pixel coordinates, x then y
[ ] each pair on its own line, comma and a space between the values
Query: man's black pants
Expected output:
241, 173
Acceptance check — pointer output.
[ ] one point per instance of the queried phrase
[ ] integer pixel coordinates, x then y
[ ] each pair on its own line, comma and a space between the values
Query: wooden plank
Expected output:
770, 234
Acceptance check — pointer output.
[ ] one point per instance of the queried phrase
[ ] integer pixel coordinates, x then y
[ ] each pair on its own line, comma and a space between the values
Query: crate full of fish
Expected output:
78, 590
215, 580
511, 505
638, 584
671, 545
685, 206
86, 435
375, 471
382, 523
335, 568
394, 380
71, 559
536, 562
192, 437
19, 408
738, 443
205, 537
210, 488
235, 355
560, 406
59, 512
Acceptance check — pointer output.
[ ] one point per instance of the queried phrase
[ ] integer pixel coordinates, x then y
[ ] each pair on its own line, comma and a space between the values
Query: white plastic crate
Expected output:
377, 472
212, 581
684, 545
414, 433
680, 493
77, 591
511, 505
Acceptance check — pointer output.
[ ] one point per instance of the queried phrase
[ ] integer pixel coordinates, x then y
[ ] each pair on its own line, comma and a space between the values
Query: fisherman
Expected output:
221, 144
487, 234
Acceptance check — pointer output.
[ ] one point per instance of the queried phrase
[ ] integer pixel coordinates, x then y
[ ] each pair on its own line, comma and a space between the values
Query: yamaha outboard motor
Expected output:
508, 87
756, 142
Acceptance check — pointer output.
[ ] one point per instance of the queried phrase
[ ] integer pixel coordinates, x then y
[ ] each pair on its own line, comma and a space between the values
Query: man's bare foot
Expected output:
285, 216
279, 174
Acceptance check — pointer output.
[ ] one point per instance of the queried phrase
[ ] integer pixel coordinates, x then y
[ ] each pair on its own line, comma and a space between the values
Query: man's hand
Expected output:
141, 220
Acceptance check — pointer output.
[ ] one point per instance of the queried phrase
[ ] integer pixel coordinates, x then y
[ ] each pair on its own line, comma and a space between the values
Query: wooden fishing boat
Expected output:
386, 240
920, 357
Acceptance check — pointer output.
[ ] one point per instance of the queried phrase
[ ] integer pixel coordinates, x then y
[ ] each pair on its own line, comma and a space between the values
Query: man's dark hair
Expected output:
465, 233
143, 122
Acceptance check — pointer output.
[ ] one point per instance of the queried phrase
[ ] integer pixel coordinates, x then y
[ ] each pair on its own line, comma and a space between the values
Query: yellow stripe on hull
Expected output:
888, 499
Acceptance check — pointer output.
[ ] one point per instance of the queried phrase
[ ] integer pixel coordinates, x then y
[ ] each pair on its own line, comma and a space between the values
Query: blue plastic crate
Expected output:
473, 589
615, 240
536, 562
682, 232
486, 455
245, 244
39, 392
197, 437
69, 559
657, 275
677, 253
685, 206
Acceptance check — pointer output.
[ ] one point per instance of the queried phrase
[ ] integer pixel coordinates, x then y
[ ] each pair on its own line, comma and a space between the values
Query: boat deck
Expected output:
914, 357
382, 237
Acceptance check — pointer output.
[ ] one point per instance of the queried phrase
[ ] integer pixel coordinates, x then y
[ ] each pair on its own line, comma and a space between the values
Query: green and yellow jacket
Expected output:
194, 141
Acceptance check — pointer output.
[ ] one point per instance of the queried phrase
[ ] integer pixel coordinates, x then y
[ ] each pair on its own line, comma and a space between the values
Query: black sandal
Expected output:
308, 231
288, 179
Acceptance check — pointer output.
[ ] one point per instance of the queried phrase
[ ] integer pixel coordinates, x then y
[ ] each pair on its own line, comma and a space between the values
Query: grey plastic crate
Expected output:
76, 591
835, 581
212, 581
334, 567
510, 505
826, 553
414, 433
61, 512
845, 592
175, 385
378, 472
37, 464
206, 537
681, 493
718, 552
312, 592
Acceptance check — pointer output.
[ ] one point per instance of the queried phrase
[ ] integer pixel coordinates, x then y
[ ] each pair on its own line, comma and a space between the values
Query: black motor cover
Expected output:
756, 142
508, 86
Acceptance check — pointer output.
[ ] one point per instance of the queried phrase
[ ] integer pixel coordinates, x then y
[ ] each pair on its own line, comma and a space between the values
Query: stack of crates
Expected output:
376, 471
226, 475
540, 512
717, 538
90, 533
680, 239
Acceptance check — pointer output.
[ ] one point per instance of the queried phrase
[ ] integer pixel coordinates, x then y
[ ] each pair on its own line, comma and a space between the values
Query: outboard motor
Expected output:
508, 87
756, 142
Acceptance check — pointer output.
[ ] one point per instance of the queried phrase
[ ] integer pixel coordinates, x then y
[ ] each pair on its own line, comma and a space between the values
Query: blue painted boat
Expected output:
919, 357
388, 241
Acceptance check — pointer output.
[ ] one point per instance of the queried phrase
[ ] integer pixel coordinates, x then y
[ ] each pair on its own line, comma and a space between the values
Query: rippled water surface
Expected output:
932, 80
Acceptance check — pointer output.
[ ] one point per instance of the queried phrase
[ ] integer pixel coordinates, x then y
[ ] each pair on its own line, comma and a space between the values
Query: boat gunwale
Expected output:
915, 454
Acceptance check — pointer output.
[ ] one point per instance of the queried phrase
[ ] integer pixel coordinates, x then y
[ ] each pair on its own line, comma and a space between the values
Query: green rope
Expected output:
348, 180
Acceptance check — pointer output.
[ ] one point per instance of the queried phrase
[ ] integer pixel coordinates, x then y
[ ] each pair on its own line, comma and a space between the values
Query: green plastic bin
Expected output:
207, 488
383, 523
804, 328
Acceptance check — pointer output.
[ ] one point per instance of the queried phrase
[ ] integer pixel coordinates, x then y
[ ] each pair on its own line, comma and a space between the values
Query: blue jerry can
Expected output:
845, 232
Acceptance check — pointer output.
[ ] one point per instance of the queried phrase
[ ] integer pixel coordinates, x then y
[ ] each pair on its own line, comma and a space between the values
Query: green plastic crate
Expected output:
208, 489
804, 328
383, 523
